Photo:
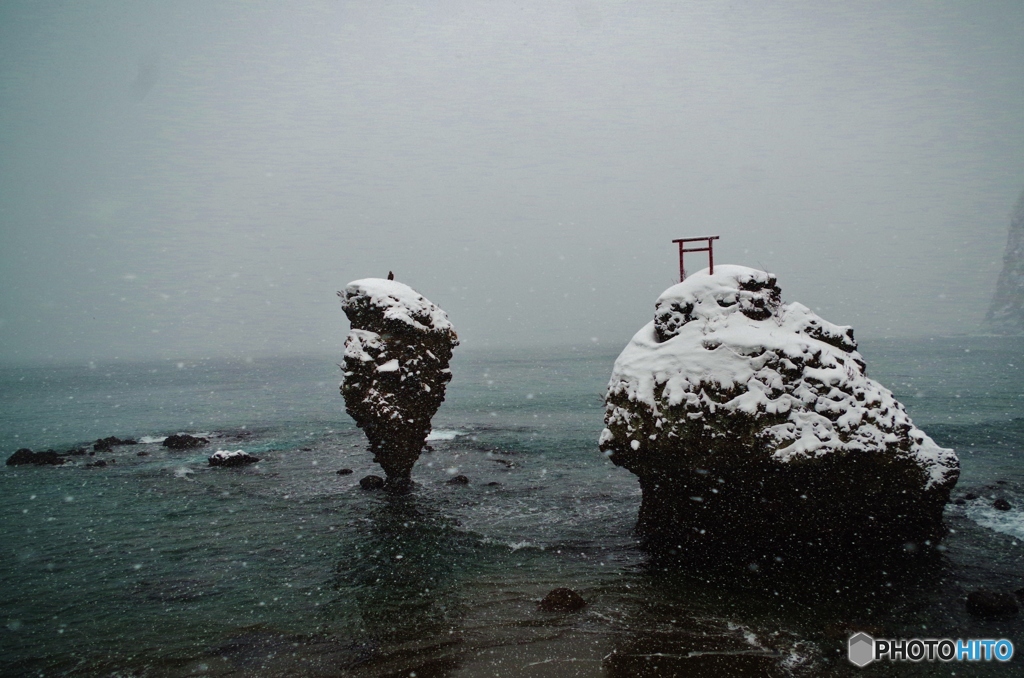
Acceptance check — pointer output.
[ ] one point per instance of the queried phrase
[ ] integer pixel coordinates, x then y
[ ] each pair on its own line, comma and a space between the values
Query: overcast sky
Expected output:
190, 179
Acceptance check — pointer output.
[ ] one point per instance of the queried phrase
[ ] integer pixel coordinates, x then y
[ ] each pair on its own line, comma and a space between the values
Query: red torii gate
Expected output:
709, 249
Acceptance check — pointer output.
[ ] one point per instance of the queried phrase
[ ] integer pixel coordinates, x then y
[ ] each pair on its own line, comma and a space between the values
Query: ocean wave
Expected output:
1007, 522
147, 440
513, 546
183, 473
441, 434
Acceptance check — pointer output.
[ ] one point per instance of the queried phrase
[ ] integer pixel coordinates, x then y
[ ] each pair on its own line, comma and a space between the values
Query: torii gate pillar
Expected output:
710, 239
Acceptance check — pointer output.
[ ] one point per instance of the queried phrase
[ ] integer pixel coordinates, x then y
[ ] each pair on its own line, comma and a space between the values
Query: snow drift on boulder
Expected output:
753, 426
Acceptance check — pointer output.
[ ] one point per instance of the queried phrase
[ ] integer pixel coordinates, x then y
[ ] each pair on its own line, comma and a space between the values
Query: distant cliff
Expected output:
1006, 315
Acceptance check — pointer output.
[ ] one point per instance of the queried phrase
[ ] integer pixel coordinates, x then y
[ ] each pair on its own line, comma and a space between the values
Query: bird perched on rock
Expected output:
391, 276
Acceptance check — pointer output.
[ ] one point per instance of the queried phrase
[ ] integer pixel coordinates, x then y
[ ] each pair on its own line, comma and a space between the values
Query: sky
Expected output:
197, 179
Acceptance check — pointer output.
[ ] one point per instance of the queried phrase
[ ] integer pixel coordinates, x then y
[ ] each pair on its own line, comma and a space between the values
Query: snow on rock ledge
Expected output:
393, 305
232, 458
395, 368
749, 420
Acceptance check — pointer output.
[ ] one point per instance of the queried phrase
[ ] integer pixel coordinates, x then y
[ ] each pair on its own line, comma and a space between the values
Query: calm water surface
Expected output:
158, 565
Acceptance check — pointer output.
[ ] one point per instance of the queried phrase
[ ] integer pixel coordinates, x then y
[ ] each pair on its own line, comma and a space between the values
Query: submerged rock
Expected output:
395, 369
371, 482
25, 456
1006, 315
753, 428
232, 458
459, 480
562, 600
184, 441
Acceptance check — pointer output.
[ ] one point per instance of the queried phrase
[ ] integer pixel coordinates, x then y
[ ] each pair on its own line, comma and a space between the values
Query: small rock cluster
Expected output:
107, 444
26, 457
183, 441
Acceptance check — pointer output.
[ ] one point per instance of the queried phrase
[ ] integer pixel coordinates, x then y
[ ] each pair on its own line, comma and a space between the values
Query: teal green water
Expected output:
160, 565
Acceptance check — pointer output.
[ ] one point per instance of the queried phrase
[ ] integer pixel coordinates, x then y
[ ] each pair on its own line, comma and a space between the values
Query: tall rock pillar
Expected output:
395, 369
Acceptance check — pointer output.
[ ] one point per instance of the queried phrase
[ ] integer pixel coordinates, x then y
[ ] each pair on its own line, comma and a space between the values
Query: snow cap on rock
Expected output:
725, 345
395, 304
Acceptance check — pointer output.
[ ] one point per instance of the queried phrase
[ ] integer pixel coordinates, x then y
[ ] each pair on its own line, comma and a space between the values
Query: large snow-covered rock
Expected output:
752, 426
1006, 315
396, 368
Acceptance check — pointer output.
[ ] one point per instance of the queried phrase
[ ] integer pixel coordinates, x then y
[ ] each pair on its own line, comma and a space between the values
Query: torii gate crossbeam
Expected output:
709, 249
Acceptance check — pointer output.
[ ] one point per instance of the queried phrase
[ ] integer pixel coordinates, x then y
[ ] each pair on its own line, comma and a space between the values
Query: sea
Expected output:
157, 564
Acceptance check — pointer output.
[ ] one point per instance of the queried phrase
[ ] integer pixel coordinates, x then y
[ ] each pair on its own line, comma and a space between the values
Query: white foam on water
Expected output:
146, 440
516, 545
1007, 522
183, 473
444, 435
512, 545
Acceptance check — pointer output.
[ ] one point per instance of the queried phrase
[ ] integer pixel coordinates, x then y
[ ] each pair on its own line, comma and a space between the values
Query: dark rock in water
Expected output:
25, 456
459, 480
99, 463
970, 496
992, 604
92, 453
371, 482
428, 448
142, 454
236, 458
1001, 504
562, 600
106, 444
76, 452
306, 449
1002, 482
754, 430
395, 368
1006, 315
399, 485
959, 501
493, 483
184, 442
344, 472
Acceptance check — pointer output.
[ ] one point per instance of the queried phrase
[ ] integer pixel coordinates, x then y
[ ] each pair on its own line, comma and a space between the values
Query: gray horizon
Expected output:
187, 180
